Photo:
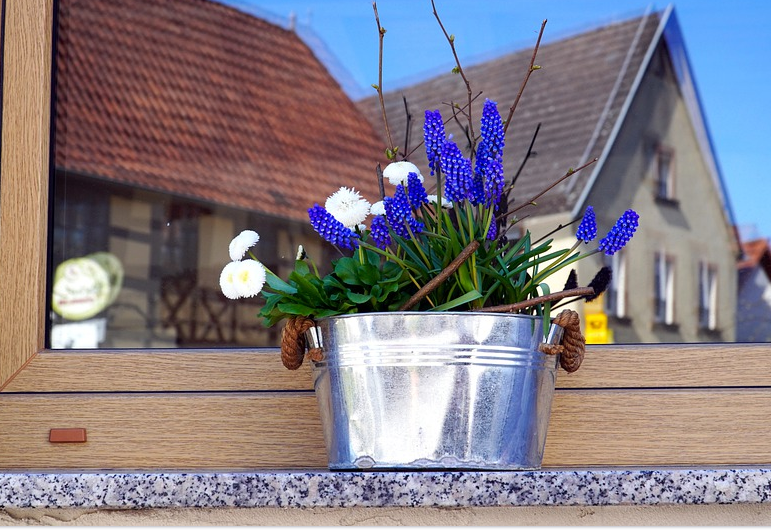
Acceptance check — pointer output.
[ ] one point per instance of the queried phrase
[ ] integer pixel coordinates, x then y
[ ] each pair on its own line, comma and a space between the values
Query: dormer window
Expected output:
665, 185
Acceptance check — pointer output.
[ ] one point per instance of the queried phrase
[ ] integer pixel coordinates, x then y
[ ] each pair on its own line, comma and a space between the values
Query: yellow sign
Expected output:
82, 287
597, 331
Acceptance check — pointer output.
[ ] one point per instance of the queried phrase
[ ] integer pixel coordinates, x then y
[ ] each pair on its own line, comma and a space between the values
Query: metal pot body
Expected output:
410, 390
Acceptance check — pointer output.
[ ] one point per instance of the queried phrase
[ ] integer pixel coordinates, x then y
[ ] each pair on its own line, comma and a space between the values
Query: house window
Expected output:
615, 295
81, 220
178, 238
665, 173
707, 296
663, 286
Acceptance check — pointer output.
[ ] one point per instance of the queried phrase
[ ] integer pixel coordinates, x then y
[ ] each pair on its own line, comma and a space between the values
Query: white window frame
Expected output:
615, 298
664, 288
707, 292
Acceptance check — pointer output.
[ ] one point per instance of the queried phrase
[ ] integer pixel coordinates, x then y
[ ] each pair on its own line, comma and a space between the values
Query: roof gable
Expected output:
194, 98
576, 97
579, 97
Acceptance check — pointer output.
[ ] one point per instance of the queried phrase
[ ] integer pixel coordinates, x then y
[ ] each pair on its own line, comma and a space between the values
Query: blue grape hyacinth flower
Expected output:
587, 230
399, 214
433, 138
331, 229
458, 182
379, 232
621, 233
416, 193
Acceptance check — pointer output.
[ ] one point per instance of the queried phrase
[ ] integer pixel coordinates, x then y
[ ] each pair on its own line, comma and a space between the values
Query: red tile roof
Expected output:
577, 96
756, 252
193, 98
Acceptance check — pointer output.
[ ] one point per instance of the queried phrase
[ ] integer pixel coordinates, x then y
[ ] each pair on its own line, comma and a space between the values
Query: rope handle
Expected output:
571, 350
293, 343
573, 346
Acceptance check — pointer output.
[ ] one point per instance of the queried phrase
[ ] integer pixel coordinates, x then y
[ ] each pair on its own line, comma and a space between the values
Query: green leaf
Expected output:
301, 267
369, 274
279, 285
306, 290
296, 309
347, 269
463, 299
358, 298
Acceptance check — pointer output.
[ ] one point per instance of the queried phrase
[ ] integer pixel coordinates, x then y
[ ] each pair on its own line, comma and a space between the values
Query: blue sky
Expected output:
728, 44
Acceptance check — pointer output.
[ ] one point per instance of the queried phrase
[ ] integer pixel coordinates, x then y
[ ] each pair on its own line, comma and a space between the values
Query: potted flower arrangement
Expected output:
433, 338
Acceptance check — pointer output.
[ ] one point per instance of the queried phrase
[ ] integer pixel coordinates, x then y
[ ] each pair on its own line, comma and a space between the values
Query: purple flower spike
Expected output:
459, 183
331, 229
415, 191
587, 230
379, 232
491, 132
433, 138
620, 234
399, 212
492, 232
495, 181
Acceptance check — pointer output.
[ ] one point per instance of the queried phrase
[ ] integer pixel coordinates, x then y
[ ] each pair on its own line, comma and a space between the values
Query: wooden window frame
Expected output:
240, 409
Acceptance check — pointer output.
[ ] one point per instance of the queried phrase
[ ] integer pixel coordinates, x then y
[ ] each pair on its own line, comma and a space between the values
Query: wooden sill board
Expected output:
270, 430
612, 366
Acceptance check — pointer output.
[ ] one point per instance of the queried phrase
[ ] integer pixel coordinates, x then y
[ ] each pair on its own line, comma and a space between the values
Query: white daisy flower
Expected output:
378, 208
228, 280
242, 243
433, 199
347, 206
397, 172
242, 279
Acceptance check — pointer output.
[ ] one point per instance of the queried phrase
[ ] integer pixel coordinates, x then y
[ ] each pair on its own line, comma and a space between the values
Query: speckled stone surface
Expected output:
383, 489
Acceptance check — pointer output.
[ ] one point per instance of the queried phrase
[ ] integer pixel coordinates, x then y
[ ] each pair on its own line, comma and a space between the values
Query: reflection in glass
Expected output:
179, 124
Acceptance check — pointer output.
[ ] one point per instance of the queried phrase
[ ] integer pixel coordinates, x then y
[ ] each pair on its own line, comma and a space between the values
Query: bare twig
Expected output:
559, 227
408, 114
570, 172
448, 271
530, 69
502, 218
451, 40
524, 160
510, 308
379, 172
381, 34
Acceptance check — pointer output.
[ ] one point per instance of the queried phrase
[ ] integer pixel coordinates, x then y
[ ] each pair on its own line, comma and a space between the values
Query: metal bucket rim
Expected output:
433, 314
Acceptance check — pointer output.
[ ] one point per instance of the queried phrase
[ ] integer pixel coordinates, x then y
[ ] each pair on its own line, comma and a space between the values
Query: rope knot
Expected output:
293, 343
573, 345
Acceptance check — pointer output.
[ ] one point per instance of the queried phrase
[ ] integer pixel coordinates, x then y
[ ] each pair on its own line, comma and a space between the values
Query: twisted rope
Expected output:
573, 346
293, 343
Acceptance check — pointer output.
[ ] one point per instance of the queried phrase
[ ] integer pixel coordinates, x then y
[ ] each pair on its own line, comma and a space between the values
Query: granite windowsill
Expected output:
312, 489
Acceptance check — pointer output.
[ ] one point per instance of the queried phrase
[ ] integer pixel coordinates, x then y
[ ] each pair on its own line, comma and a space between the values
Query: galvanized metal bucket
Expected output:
447, 390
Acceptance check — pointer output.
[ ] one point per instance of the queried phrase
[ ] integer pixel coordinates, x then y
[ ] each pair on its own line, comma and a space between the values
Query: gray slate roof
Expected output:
577, 96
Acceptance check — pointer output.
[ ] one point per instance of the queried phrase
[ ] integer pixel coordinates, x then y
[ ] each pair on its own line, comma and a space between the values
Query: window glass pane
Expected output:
178, 124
